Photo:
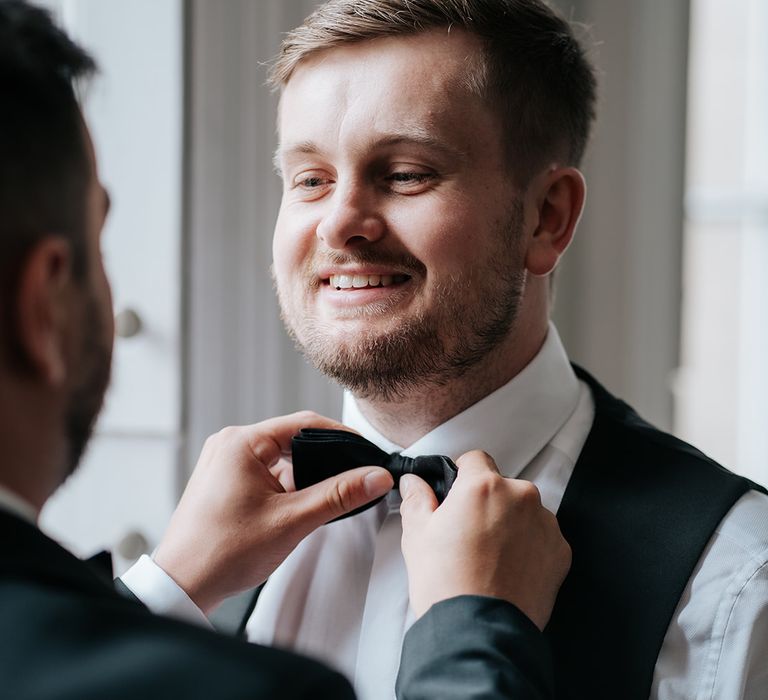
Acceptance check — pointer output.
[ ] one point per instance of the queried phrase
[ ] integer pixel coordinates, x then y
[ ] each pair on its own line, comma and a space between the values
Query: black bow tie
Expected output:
319, 453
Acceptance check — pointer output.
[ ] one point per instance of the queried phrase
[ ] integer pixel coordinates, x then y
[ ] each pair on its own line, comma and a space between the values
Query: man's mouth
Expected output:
340, 282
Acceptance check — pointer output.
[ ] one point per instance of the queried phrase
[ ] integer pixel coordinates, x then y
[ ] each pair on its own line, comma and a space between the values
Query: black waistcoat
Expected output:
638, 512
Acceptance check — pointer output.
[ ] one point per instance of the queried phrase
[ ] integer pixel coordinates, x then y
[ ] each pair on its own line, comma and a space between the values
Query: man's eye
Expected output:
312, 182
311, 185
409, 181
409, 178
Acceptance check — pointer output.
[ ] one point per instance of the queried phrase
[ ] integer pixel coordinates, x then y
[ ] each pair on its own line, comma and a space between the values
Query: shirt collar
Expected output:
15, 504
513, 424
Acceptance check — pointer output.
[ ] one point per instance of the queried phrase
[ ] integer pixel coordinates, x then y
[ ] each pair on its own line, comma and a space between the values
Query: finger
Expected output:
271, 438
283, 472
419, 502
329, 499
476, 462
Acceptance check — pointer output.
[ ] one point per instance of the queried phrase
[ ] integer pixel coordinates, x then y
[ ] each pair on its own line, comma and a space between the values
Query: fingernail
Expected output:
406, 480
377, 483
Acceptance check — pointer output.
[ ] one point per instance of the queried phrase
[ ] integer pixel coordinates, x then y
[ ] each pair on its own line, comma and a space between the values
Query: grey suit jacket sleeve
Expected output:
473, 647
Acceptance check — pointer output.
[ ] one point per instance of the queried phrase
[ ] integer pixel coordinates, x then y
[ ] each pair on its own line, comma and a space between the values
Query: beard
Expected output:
87, 395
468, 318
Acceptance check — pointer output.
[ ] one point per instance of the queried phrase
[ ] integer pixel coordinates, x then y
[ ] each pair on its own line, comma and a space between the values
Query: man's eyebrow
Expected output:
419, 138
282, 150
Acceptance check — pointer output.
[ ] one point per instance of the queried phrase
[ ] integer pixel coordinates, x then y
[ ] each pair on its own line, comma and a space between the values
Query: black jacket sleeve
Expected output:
471, 648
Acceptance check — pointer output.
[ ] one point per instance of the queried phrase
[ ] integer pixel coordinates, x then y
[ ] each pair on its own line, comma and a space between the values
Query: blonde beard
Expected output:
432, 348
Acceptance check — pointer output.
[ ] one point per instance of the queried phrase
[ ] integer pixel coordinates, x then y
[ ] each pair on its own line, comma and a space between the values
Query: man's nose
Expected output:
351, 220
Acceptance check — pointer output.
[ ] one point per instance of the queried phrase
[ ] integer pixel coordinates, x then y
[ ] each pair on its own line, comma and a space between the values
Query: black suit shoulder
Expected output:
69, 636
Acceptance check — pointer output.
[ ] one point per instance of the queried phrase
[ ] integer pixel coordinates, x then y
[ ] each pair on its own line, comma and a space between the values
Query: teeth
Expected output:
360, 281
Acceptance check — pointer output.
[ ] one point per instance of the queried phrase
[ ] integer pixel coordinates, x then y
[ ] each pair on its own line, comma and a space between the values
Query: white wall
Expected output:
619, 298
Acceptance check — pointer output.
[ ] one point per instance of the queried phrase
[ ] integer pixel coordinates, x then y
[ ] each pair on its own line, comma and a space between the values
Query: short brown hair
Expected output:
44, 165
533, 67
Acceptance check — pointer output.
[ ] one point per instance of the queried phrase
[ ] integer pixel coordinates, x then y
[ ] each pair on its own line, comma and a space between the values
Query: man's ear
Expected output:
44, 308
559, 198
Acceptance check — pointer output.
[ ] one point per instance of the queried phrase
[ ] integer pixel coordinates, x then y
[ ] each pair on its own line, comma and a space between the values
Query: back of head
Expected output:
44, 164
533, 71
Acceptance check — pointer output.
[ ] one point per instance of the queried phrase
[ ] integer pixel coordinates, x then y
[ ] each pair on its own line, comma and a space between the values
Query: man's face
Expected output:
398, 250
92, 360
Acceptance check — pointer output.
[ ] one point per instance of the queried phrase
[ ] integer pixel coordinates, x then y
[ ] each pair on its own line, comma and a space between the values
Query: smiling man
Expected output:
429, 151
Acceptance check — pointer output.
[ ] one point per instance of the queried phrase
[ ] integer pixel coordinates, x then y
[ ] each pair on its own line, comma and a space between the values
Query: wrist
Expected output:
192, 584
151, 585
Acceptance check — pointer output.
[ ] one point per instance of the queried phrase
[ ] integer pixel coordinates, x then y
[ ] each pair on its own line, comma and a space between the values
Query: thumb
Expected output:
339, 495
419, 502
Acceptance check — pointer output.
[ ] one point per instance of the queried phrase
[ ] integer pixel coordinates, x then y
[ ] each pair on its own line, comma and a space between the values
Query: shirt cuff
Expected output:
161, 594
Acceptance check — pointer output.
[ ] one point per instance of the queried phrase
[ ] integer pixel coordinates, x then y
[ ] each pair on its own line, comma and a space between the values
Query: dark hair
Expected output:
533, 68
44, 165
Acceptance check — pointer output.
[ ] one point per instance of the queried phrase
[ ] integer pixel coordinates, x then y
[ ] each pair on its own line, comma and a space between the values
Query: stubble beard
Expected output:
466, 321
87, 396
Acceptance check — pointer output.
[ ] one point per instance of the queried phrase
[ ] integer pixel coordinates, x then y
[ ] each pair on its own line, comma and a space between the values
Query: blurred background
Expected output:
663, 294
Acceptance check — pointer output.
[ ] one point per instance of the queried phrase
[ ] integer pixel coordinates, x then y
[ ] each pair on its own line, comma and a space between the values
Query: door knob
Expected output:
132, 545
127, 324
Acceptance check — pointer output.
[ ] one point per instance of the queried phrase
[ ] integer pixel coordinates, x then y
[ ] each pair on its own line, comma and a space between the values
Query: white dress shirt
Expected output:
342, 595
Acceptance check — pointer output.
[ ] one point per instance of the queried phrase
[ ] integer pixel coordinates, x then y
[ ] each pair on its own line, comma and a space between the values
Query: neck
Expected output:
32, 448
407, 418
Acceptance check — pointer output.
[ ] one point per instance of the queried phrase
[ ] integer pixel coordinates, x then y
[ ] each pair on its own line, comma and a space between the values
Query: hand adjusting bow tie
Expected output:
319, 453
